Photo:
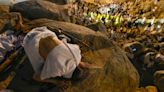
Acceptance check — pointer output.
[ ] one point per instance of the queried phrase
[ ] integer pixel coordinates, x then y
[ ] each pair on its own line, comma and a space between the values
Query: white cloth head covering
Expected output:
61, 61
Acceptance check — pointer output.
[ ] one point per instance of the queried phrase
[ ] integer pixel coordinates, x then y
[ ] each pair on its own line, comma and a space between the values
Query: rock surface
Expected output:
159, 80
9, 20
41, 9
117, 73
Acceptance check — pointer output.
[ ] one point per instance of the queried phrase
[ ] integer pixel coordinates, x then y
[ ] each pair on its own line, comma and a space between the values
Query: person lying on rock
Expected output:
51, 57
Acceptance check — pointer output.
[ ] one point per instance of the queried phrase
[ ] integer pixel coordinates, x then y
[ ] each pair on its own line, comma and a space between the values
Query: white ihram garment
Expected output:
61, 61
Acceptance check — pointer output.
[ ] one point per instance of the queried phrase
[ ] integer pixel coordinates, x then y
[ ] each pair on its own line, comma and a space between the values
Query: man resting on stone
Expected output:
51, 57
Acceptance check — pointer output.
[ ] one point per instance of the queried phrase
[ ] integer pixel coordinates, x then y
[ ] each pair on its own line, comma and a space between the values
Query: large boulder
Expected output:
98, 1
9, 20
116, 74
32, 10
61, 2
159, 80
35, 9
10, 2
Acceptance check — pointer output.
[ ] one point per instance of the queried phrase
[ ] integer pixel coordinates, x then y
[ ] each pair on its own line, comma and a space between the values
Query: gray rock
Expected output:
159, 80
42, 9
134, 47
116, 74
61, 2
32, 10
10, 21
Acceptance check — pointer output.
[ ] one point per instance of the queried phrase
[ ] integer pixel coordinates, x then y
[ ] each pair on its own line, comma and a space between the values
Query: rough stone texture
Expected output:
61, 2
159, 80
98, 1
4, 8
9, 20
32, 10
41, 9
117, 73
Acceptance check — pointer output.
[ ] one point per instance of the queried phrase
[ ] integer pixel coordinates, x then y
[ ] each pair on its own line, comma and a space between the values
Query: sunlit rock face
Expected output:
10, 2
41, 9
9, 20
62, 1
116, 74
98, 1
